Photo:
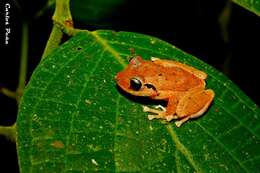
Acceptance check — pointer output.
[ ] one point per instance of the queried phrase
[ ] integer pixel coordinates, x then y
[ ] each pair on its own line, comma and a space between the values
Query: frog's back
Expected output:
168, 77
178, 79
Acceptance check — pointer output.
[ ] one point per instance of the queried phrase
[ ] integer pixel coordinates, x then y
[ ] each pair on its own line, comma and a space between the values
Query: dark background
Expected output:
193, 26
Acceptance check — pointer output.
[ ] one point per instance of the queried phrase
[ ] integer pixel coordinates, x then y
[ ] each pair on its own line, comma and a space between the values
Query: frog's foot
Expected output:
180, 122
158, 114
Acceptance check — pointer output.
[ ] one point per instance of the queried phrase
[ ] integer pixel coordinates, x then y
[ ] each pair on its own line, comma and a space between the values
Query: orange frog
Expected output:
182, 86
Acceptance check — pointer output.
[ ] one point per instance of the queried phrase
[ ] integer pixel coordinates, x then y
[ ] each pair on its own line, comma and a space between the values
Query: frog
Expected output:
182, 86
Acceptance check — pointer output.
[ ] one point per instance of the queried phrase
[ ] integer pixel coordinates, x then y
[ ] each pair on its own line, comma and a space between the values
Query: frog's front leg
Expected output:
157, 114
167, 113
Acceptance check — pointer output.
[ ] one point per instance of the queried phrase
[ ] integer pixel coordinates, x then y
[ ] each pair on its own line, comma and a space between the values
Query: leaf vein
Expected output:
104, 43
116, 125
177, 160
183, 149
251, 159
238, 120
223, 146
77, 105
35, 106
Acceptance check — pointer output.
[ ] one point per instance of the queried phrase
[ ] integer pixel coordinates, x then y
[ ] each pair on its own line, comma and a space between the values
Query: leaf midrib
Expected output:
109, 48
180, 147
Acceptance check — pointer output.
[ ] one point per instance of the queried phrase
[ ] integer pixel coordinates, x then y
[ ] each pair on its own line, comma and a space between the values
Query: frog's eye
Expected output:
135, 83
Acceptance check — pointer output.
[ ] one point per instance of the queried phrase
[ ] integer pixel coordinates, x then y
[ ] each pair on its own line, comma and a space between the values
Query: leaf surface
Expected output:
251, 5
73, 118
91, 11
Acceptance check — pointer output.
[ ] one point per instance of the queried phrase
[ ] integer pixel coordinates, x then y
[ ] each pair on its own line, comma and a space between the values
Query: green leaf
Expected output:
89, 11
251, 5
93, 10
72, 117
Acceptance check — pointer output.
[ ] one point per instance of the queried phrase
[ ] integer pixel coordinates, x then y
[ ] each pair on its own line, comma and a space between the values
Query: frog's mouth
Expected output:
145, 92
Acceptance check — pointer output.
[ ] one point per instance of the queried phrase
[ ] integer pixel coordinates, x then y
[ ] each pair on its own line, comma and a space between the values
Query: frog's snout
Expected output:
120, 80
117, 77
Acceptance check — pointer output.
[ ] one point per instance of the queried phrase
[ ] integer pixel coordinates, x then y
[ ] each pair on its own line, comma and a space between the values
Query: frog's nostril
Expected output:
116, 77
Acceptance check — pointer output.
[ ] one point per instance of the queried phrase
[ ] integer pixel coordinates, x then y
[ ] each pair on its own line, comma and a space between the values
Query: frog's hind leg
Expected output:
193, 105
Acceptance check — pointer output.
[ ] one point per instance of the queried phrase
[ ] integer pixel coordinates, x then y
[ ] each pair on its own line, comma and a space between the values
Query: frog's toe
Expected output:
146, 108
160, 107
155, 111
171, 117
156, 114
180, 122
151, 117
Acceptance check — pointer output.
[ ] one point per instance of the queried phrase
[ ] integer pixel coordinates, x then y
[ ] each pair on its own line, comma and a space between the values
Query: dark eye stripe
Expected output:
150, 86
